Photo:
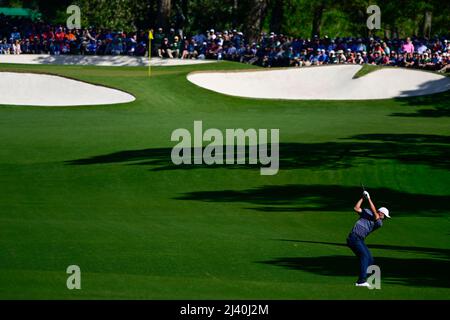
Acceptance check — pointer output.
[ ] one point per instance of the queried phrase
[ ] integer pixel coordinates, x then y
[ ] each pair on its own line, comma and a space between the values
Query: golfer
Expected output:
369, 221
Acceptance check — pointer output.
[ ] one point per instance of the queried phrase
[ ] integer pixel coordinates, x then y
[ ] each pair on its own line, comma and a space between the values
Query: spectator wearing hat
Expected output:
323, 57
314, 58
202, 50
350, 57
175, 47
171, 36
164, 50
341, 58
15, 35
158, 39
219, 40
445, 63
359, 59
332, 59
212, 35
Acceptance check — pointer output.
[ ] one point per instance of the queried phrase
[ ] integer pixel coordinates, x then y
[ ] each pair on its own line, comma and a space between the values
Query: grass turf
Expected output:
94, 186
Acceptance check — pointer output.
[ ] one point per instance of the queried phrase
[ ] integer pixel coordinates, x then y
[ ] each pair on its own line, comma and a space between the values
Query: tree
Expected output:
127, 15
317, 14
277, 16
164, 11
256, 13
206, 14
235, 13
292, 17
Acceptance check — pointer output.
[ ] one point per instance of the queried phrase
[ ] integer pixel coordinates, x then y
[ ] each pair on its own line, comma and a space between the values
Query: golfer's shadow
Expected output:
421, 272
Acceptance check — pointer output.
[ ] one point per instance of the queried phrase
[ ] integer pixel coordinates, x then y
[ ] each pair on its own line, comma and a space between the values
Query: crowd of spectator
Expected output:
21, 36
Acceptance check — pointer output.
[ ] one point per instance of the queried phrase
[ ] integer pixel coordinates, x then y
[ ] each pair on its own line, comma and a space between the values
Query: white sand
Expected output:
322, 83
27, 89
118, 61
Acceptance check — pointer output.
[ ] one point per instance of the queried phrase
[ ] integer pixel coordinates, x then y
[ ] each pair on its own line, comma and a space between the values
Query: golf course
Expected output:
95, 186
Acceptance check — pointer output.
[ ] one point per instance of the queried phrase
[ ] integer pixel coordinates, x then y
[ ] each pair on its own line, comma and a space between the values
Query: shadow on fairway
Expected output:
431, 150
403, 138
414, 272
433, 252
435, 106
320, 198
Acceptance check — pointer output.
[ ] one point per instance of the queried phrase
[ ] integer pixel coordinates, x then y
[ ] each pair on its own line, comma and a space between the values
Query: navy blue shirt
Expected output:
366, 223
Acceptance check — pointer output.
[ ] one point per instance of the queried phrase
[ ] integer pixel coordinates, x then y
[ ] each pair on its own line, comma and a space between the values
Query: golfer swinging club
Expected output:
369, 221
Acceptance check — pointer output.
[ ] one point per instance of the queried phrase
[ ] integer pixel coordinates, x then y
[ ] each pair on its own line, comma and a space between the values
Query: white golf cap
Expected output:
384, 211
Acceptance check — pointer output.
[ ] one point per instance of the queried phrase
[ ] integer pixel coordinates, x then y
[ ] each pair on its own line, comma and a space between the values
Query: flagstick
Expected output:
150, 38
150, 58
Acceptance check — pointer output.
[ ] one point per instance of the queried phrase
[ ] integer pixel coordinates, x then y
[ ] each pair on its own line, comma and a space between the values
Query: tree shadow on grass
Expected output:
320, 198
412, 272
434, 106
403, 138
431, 150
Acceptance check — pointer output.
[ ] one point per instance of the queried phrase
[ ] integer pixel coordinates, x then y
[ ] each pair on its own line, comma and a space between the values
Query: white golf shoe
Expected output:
364, 284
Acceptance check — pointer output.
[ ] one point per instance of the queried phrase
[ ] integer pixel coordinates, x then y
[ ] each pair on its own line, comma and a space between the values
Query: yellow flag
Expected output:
150, 38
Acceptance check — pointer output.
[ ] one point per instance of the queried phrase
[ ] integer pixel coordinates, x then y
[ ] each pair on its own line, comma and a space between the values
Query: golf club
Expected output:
364, 189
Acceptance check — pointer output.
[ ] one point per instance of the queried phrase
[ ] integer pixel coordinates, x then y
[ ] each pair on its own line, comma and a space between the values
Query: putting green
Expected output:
94, 186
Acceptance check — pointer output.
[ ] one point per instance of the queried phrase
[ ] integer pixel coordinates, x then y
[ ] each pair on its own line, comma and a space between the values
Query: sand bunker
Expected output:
119, 61
27, 89
322, 83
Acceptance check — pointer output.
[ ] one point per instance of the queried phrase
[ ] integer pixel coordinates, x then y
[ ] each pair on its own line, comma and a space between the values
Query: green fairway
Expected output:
95, 187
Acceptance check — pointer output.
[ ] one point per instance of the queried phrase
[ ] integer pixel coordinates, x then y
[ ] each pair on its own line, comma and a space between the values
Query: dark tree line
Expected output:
304, 18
